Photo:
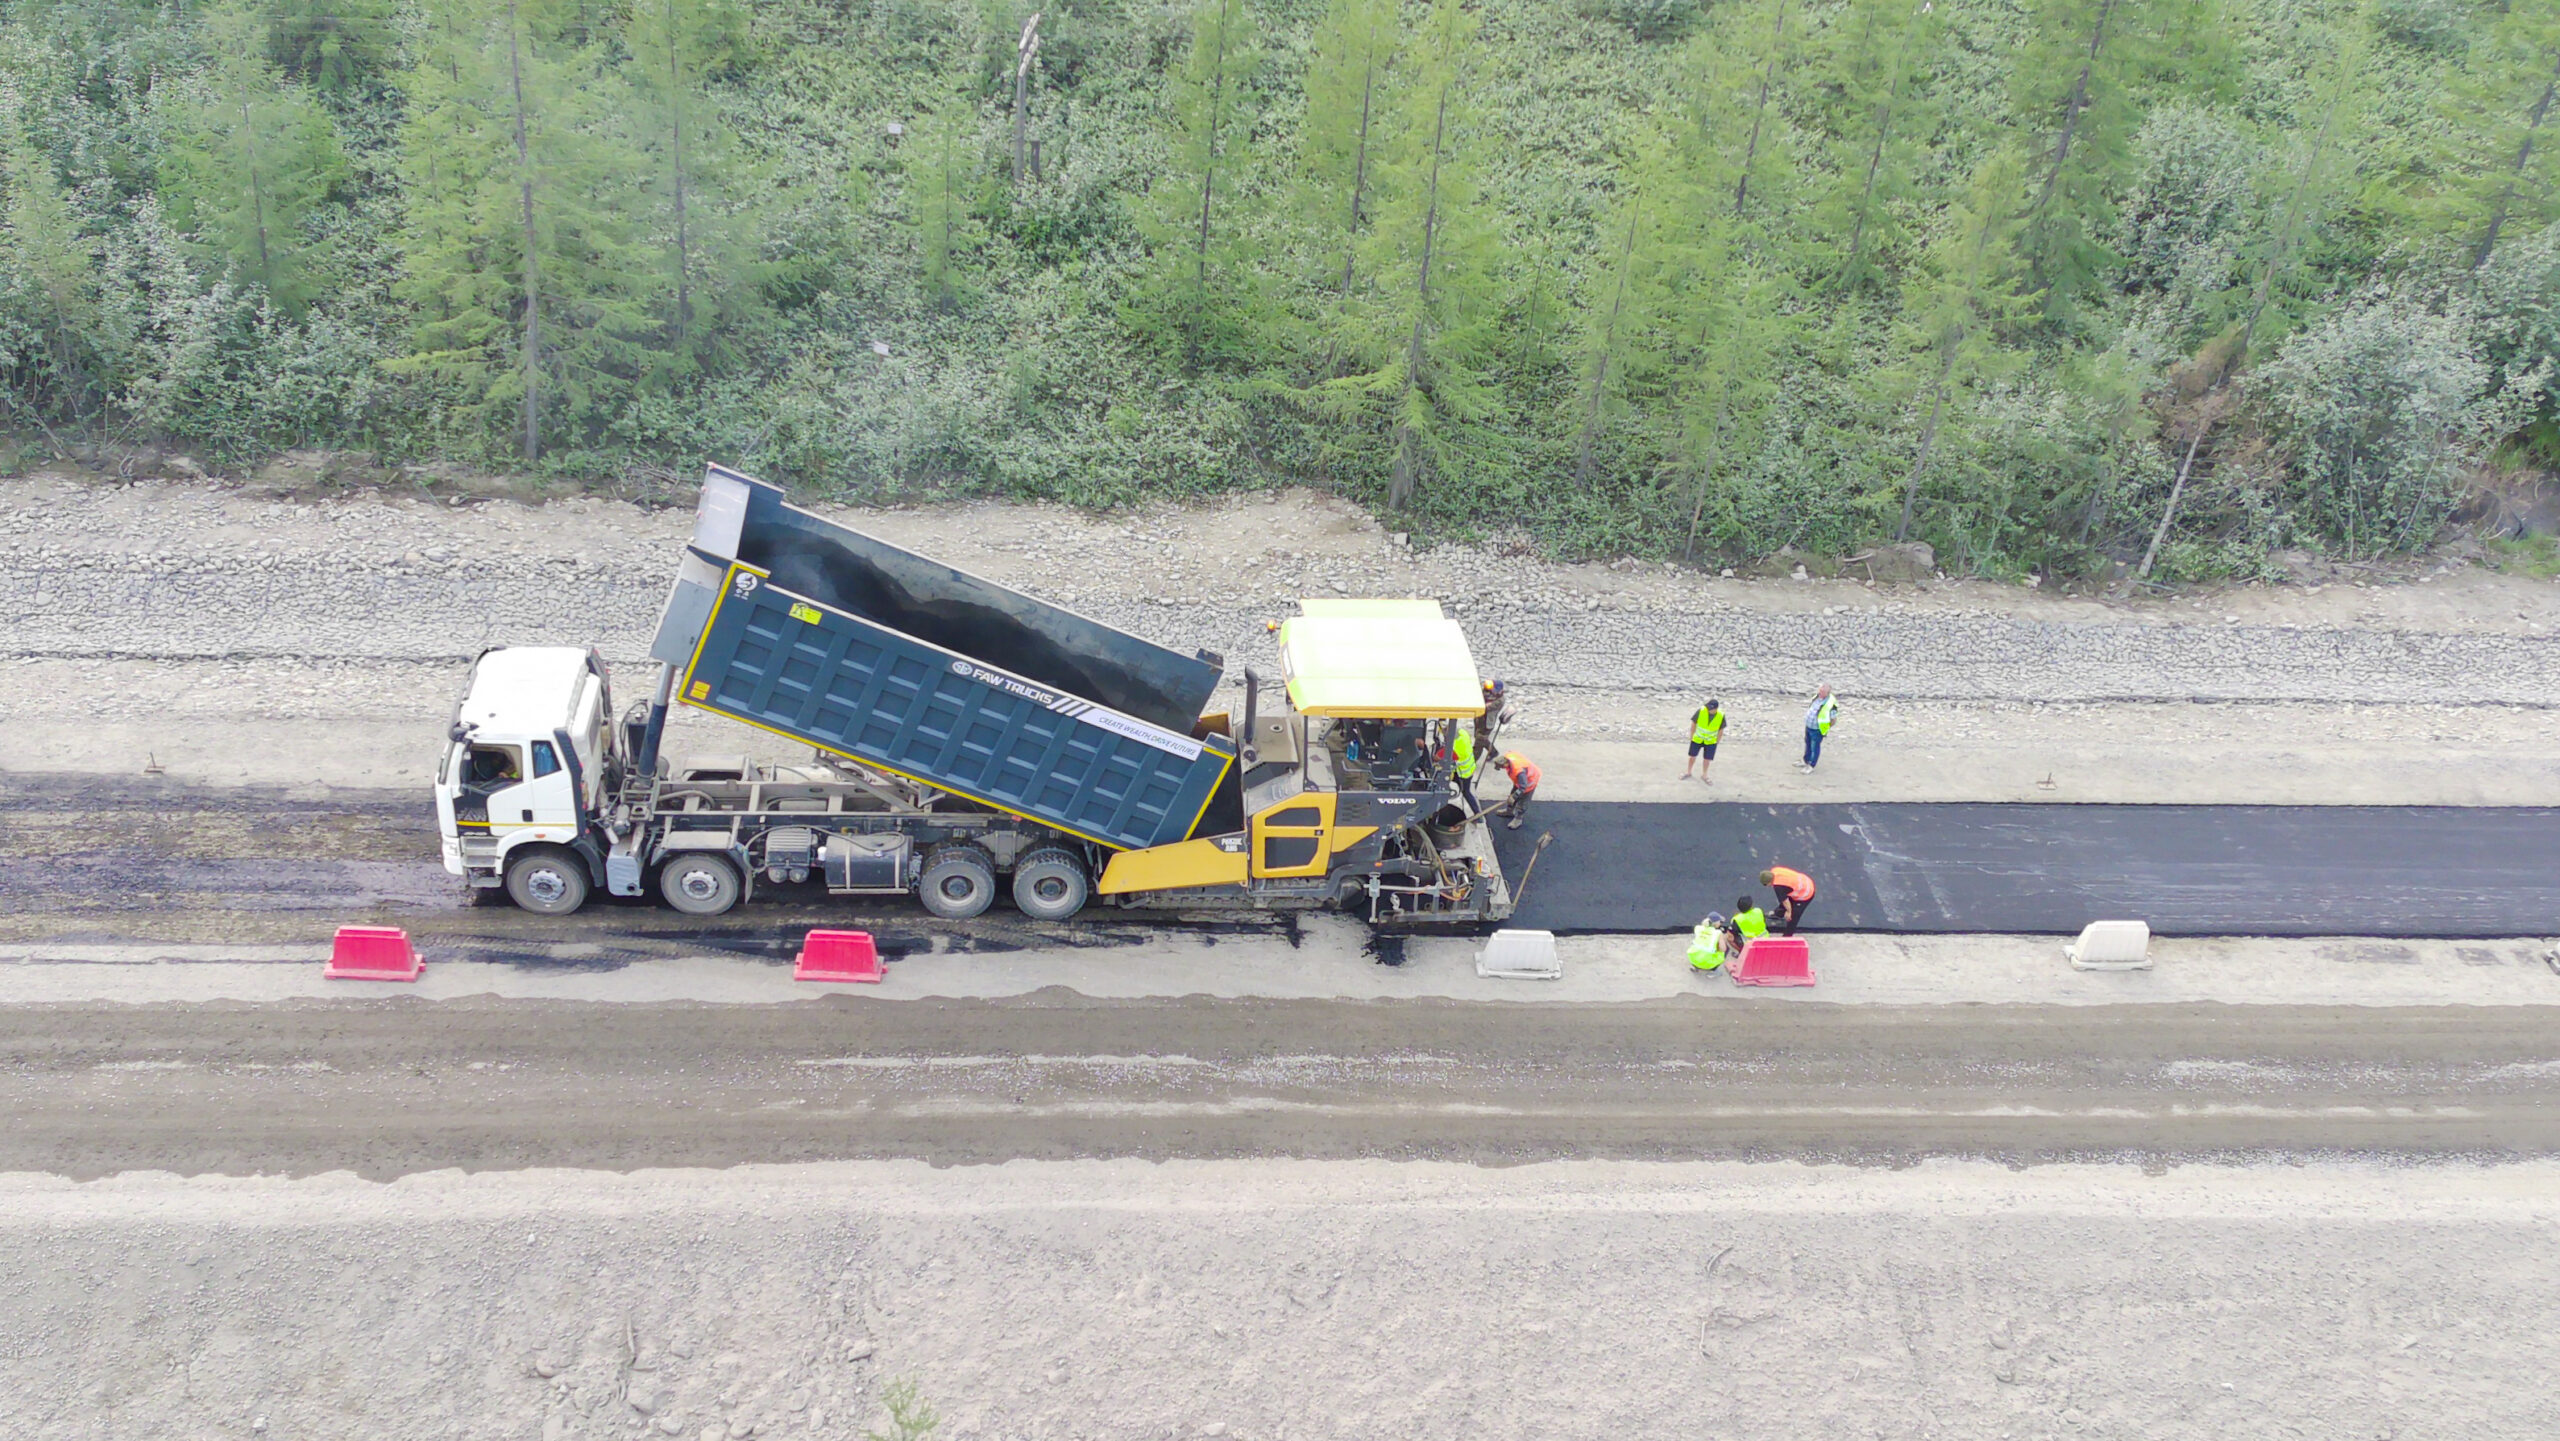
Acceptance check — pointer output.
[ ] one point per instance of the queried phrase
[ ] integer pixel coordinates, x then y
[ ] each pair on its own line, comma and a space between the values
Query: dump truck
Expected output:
967, 740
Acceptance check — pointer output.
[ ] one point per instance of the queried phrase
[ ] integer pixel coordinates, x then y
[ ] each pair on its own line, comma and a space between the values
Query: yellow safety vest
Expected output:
1706, 948
1707, 728
1751, 923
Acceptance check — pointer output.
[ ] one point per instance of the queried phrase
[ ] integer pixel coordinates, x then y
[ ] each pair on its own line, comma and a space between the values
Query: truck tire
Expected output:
1050, 884
959, 881
700, 884
546, 880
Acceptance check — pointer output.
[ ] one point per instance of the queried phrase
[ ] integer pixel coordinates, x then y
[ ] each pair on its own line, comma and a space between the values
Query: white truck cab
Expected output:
525, 778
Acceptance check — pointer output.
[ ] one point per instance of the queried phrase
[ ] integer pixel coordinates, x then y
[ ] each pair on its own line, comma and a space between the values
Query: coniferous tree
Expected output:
1732, 331
2079, 85
1957, 310
1877, 76
942, 158
1346, 94
1426, 330
2503, 156
1626, 298
529, 288
251, 158
48, 268
1742, 71
1201, 300
708, 234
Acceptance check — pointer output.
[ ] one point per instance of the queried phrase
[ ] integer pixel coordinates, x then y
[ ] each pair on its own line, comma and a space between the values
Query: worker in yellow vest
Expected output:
1462, 761
1706, 731
1710, 945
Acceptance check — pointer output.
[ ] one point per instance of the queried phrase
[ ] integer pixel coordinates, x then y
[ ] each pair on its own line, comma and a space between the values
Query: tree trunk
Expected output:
1360, 157
1928, 443
1707, 471
2524, 154
2178, 487
1608, 348
684, 250
2073, 107
1026, 48
1760, 110
1400, 490
1867, 196
1208, 186
257, 197
532, 266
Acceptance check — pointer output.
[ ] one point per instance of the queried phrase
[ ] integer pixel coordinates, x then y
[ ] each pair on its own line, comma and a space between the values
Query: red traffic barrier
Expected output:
1775, 961
372, 953
839, 956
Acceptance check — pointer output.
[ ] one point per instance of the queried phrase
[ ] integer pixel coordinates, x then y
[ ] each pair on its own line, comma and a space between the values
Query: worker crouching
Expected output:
1712, 942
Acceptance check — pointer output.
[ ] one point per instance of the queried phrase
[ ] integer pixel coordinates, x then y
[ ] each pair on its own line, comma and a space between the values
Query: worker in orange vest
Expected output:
1524, 784
1794, 891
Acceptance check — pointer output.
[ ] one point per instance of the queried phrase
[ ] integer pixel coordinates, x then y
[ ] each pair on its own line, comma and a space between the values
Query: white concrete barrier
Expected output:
1520, 956
2112, 946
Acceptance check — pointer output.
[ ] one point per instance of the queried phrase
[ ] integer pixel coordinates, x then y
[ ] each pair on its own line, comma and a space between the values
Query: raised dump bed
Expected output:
797, 625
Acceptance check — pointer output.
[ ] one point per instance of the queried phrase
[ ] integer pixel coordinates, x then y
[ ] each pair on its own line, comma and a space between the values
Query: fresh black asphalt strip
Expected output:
2447, 871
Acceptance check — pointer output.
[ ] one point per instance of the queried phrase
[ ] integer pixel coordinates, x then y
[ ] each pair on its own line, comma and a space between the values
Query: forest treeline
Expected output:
2054, 285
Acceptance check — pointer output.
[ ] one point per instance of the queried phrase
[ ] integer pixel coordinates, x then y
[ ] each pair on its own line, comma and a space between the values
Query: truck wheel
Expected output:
700, 884
1049, 884
546, 881
959, 881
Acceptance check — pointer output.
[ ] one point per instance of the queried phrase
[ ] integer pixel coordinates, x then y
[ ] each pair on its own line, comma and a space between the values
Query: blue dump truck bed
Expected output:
796, 625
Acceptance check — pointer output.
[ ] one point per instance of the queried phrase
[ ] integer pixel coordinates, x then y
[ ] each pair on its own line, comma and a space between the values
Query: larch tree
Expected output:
1426, 329
530, 290
48, 269
1727, 334
1956, 310
2502, 155
2079, 86
1625, 299
249, 158
1202, 299
1743, 69
1346, 95
1877, 78
943, 159
706, 229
